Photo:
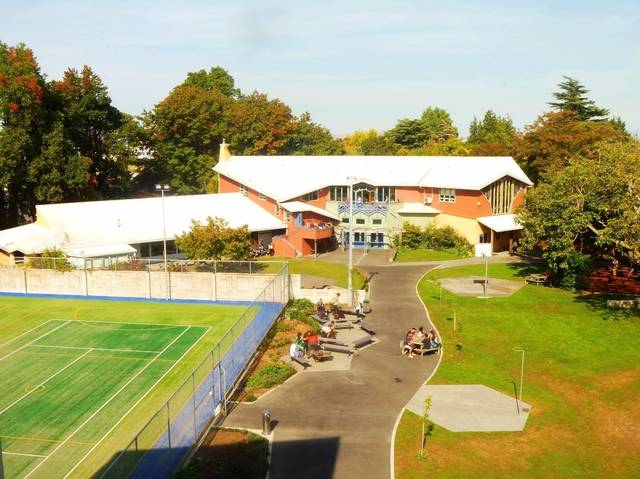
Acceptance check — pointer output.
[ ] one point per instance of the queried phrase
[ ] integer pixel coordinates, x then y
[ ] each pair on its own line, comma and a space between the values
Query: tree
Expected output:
261, 126
492, 129
215, 240
438, 125
451, 147
185, 131
378, 145
217, 78
573, 97
309, 138
409, 133
592, 201
352, 144
557, 137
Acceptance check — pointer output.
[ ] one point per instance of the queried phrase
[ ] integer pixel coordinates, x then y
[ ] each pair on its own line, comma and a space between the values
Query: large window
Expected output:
447, 195
311, 196
339, 193
385, 193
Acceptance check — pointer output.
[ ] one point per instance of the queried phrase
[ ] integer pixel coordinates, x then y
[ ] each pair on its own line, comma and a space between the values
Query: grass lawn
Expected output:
71, 369
336, 272
409, 255
581, 377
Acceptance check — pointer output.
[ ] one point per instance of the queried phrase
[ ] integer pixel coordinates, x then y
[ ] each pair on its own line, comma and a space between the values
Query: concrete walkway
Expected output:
338, 424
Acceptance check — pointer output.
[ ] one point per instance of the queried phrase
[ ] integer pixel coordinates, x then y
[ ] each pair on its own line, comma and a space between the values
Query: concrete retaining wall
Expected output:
153, 284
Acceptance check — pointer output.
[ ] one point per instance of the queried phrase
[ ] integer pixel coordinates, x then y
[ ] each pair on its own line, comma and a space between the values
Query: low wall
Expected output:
145, 284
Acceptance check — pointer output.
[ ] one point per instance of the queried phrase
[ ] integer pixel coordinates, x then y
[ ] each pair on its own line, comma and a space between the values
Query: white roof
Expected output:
98, 223
298, 206
417, 208
500, 223
285, 177
30, 239
97, 251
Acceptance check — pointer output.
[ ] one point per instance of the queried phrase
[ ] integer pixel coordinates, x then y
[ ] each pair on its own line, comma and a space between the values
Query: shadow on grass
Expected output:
524, 269
597, 302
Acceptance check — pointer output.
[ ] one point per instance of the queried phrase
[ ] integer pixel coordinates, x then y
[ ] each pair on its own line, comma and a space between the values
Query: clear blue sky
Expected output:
351, 64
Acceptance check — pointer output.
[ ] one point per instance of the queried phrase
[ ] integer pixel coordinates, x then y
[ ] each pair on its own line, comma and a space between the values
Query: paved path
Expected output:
338, 424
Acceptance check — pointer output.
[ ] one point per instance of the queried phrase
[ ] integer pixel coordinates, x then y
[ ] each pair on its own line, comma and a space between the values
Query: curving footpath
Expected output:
339, 424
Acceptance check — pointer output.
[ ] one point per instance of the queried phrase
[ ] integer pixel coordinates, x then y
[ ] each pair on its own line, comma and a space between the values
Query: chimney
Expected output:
224, 151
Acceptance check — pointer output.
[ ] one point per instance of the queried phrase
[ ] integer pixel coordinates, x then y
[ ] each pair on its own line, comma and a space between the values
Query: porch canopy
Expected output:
500, 223
299, 207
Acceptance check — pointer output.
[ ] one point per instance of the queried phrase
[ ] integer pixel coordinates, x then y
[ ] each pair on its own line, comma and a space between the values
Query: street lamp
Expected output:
520, 350
162, 188
350, 179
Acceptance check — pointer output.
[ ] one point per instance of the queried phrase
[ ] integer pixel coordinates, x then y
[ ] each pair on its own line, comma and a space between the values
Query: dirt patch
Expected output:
229, 454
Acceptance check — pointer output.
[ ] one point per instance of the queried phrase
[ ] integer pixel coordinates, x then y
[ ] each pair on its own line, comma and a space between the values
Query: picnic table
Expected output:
537, 279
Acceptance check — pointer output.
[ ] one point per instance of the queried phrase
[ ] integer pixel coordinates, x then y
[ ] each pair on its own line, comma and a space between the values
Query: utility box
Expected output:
266, 423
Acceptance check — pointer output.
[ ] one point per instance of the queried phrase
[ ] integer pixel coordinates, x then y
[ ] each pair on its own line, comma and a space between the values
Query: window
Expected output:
287, 216
278, 209
385, 193
339, 193
311, 196
345, 220
262, 197
243, 190
376, 221
359, 221
485, 238
447, 195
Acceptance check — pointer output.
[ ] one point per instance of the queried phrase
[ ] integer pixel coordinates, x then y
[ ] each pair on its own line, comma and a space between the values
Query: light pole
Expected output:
520, 350
162, 188
350, 254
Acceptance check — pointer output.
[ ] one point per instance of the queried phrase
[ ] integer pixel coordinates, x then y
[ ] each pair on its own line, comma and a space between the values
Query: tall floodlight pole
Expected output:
162, 188
520, 350
350, 254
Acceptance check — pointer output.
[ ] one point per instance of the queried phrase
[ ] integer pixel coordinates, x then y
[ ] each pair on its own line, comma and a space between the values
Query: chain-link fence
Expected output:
202, 398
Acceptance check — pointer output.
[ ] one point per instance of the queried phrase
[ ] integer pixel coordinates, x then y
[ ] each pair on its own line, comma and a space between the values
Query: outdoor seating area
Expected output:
537, 279
417, 342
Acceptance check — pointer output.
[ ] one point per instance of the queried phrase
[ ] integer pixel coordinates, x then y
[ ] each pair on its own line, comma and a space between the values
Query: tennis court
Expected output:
69, 383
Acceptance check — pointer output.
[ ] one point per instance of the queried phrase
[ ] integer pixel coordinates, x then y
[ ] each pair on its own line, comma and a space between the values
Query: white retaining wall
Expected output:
153, 284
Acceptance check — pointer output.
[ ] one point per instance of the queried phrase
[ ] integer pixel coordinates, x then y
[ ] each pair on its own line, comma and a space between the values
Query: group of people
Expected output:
304, 344
418, 339
260, 249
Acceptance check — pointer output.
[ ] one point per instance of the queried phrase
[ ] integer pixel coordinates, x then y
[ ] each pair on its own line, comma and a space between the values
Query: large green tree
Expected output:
217, 78
593, 200
409, 133
492, 128
572, 96
309, 138
438, 125
215, 240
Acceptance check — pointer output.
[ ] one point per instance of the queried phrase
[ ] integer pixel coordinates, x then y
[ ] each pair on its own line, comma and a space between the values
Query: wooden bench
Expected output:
319, 355
301, 361
420, 350
537, 279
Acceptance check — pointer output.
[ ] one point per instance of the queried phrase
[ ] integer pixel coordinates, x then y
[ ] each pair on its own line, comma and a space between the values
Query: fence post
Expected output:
193, 387
86, 281
215, 281
168, 425
24, 271
250, 268
149, 279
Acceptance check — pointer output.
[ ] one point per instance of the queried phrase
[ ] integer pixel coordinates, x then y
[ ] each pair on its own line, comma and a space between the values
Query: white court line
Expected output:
132, 408
31, 342
43, 383
82, 321
26, 332
104, 405
22, 454
94, 349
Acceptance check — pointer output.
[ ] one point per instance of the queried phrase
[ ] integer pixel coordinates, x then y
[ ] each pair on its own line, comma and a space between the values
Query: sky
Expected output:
351, 64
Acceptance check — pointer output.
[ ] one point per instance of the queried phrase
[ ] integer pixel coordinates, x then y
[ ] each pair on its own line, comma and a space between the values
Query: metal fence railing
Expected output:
158, 448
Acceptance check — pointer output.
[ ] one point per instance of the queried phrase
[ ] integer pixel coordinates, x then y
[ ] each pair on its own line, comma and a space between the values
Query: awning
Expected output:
417, 209
117, 249
299, 206
500, 223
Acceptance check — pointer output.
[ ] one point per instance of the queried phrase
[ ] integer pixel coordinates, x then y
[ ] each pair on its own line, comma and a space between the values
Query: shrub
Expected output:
50, 259
572, 273
412, 236
445, 238
270, 375
301, 310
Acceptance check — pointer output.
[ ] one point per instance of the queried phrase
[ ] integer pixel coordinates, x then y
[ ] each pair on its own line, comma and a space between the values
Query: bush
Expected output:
271, 375
445, 238
301, 310
572, 273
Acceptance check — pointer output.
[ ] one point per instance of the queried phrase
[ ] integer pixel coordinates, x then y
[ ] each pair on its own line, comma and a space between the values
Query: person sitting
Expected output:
299, 342
305, 342
407, 346
329, 329
321, 308
336, 300
359, 309
295, 352
432, 340
270, 249
313, 342
260, 248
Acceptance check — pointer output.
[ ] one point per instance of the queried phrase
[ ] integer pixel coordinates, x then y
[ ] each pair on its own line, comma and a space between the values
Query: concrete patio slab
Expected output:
473, 408
470, 286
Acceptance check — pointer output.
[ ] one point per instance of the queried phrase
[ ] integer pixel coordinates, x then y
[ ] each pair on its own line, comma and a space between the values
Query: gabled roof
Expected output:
299, 206
285, 177
131, 221
30, 239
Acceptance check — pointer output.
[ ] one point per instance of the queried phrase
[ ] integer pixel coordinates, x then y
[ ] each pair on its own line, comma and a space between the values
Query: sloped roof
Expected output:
30, 239
131, 221
285, 177
97, 251
298, 206
501, 223
417, 208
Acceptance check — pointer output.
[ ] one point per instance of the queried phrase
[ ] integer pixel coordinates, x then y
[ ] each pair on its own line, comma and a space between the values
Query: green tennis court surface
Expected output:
73, 388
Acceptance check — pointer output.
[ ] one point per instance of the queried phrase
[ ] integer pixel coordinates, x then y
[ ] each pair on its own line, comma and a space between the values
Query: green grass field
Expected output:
80, 377
336, 272
581, 377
